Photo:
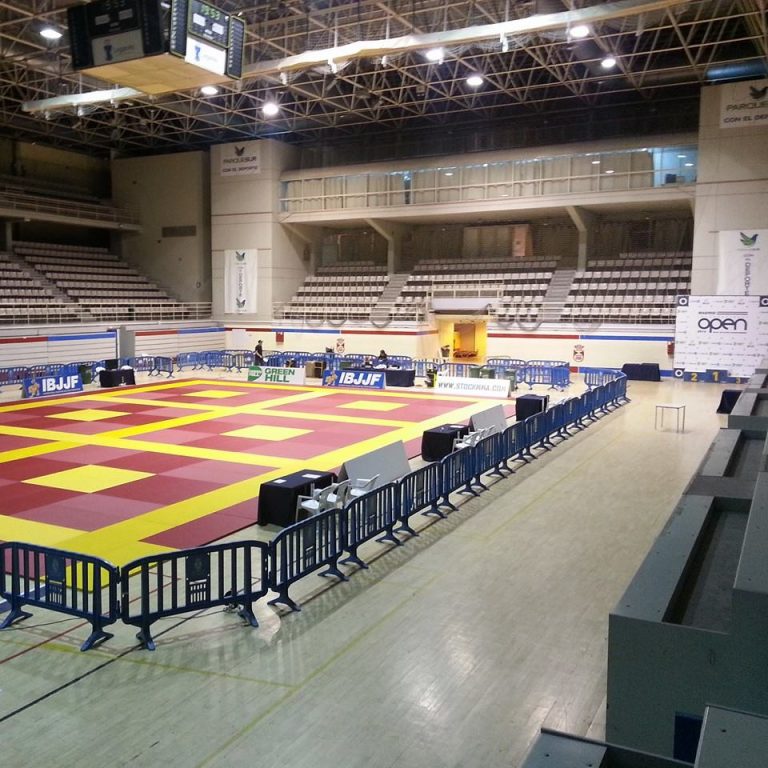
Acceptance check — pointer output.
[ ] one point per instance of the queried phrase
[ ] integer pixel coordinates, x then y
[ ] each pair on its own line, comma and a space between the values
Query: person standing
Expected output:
258, 353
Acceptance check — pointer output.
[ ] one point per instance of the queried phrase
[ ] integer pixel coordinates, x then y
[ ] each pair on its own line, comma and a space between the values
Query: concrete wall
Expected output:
732, 188
169, 191
244, 210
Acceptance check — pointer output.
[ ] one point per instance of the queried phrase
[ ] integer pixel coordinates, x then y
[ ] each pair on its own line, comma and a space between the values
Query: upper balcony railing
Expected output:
30, 203
577, 174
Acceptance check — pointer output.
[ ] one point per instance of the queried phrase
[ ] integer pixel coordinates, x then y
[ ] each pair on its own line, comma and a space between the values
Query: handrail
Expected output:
60, 207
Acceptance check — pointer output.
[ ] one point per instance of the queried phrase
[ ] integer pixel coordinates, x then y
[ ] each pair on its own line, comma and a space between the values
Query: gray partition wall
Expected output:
692, 627
388, 463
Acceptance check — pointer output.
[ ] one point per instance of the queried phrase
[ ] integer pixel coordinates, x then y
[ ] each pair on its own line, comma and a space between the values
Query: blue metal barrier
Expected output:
171, 583
488, 457
505, 363
418, 490
456, 474
558, 377
15, 375
236, 359
163, 365
143, 363
369, 516
302, 548
400, 361
212, 359
61, 581
187, 359
536, 432
513, 444
593, 377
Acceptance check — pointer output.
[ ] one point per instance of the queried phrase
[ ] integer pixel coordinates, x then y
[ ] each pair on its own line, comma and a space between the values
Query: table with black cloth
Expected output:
641, 371
437, 442
527, 405
728, 399
117, 376
278, 497
394, 377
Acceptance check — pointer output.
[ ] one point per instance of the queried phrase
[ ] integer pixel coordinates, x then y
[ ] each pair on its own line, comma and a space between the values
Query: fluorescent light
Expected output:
474, 81
610, 171
579, 31
270, 108
449, 173
689, 165
595, 162
681, 157
609, 62
434, 54
49, 33
209, 90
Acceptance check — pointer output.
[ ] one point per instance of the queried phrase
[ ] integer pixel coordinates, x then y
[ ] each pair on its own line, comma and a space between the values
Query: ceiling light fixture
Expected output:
579, 31
474, 81
435, 54
270, 108
209, 90
609, 62
610, 170
595, 162
49, 33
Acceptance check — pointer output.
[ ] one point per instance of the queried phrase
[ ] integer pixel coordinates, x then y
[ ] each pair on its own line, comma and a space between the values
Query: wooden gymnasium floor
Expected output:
128, 472
450, 651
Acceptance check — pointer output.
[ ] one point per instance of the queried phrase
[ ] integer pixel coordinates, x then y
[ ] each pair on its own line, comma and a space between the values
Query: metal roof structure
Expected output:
346, 71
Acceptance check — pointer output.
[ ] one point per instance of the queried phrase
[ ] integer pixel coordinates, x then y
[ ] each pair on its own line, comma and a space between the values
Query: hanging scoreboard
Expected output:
207, 37
154, 47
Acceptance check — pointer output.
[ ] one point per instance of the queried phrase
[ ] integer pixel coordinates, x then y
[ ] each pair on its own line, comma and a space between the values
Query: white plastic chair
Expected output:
333, 495
361, 486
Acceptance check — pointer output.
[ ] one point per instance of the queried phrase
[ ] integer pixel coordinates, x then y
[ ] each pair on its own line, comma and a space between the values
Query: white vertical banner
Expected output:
240, 281
743, 263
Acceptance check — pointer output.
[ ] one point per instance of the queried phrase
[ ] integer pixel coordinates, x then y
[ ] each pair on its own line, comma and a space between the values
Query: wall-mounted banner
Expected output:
743, 262
44, 386
240, 281
459, 385
744, 104
264, 374
240, 159
368, 380
721, 333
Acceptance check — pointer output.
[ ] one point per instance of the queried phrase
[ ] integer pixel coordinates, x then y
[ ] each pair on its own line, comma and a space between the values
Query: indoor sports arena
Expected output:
384, 384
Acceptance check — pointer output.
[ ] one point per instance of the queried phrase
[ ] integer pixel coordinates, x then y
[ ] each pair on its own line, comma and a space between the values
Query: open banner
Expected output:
240, 281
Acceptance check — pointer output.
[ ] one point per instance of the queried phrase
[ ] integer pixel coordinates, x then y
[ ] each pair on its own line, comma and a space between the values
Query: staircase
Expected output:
381, 311
557, 293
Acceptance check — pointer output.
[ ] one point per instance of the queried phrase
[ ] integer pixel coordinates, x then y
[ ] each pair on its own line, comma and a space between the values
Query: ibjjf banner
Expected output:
744, 104
720, 333
365, 379
743, 263
43, 386
240, 159
240, 281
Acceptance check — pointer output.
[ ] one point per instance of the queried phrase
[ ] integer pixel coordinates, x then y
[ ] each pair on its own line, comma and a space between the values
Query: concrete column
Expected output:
585, 222
393, 233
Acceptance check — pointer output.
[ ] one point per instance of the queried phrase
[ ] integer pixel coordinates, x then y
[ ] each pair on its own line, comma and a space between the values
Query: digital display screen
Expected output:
208, 23
109, 17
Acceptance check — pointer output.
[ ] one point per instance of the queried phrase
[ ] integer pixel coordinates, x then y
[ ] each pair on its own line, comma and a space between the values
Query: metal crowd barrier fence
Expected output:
456, 474
65, 582
488, 457
212, 359
593, 377
548, 363
187, 359
505, 362
163, 365
168, 584
536, 432
237, 360
558, 377
369, 516
513, 446
145, 364
14, 375
418, 490
302, 548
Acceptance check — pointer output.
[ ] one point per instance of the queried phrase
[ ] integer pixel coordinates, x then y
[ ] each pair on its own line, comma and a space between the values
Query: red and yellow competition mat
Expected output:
124, 473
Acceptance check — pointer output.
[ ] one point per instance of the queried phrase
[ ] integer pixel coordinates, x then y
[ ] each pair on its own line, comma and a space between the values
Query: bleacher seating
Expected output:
102, 286
514, 288
635, 288
348, 291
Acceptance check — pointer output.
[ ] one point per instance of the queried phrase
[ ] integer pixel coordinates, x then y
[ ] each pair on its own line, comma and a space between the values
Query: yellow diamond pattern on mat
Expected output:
90, 478
268, 433
87, 414
372, 405
213, 394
